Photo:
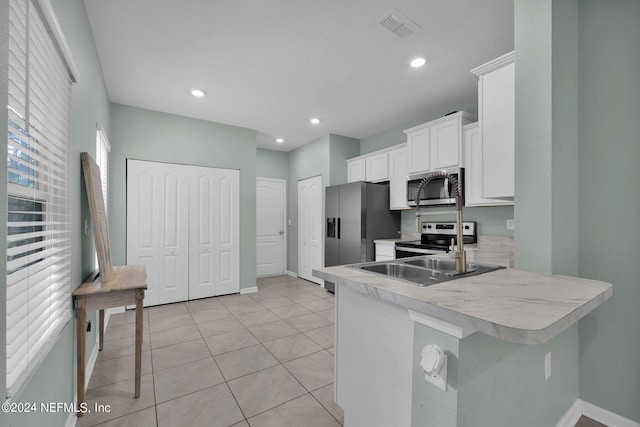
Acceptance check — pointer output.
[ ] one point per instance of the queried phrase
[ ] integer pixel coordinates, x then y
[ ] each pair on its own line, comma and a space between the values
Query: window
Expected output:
103, 148
38, 220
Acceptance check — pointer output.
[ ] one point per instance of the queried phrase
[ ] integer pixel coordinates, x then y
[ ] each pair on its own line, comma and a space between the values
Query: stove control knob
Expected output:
466, 227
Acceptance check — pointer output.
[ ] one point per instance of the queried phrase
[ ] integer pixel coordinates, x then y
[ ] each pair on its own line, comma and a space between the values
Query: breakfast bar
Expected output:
500, 331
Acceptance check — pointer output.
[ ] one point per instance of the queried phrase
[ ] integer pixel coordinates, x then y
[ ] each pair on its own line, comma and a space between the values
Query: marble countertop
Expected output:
510, 304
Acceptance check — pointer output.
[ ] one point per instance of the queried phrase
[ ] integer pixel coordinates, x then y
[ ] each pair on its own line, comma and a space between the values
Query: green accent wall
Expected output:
609, 64
340, 149
310, 160
140, 134
546, 152
494, 383
54, 379
491, 220
272, 164
325, 156
394, 136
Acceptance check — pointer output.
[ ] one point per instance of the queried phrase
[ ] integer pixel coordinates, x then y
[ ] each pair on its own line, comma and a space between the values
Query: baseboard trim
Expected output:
596, 413
72, 418
605, 417
292, 274
91, 363
248, 290
571, 417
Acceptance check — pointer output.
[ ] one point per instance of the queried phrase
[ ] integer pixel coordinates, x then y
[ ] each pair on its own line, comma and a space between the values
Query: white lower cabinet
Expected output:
385, 251
183, 224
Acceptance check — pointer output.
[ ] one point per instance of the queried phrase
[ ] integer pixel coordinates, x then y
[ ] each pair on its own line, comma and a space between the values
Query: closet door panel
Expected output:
227, 218
202, 263
157, 195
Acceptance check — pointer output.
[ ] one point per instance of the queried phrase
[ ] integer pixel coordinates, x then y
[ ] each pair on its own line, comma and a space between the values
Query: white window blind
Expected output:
38, 224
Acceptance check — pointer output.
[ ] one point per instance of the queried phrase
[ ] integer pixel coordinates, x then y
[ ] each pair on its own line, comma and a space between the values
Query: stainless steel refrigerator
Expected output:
356, 214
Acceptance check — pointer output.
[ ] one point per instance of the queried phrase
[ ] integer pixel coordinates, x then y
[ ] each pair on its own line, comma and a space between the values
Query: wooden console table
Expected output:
126, 286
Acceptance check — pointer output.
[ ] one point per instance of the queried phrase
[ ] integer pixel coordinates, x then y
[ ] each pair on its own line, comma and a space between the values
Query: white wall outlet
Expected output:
547, 366
289, 222
434, 364
86, 227
510, 225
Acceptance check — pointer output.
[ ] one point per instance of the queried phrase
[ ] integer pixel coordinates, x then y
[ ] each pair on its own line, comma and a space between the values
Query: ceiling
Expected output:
271, 65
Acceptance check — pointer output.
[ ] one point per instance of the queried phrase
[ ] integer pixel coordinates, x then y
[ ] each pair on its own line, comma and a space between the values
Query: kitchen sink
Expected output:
424, 270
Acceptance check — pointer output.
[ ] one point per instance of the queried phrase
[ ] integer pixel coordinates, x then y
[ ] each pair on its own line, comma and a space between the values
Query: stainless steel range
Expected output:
436, 238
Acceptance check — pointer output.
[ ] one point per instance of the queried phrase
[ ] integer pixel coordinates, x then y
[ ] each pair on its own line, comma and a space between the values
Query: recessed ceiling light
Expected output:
418, 62
198, 93
279, 140
315, 121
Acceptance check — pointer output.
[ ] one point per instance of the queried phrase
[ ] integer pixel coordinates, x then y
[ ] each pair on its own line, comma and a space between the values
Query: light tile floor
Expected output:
261, 359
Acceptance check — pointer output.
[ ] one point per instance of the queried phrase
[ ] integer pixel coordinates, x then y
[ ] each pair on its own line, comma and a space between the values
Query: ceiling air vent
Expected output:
398, 24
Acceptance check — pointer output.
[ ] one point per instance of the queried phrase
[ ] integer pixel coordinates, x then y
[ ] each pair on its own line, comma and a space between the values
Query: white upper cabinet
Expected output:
398, 171
473, 169
418, 150
496, 106
372, 167
356, 170
377, 167
437, 144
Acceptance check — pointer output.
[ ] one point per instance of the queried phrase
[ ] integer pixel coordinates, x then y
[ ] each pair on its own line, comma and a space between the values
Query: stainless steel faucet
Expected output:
457, 253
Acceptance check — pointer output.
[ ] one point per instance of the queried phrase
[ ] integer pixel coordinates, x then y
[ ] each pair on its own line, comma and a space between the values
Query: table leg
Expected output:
81, 320
139, 317
101, 331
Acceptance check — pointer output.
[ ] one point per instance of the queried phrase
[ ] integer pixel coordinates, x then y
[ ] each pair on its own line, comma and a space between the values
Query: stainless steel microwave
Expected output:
437, 192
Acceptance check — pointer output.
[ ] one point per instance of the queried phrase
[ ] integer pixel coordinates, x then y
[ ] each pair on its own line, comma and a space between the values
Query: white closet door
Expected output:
310, 214
214, 231
157, 228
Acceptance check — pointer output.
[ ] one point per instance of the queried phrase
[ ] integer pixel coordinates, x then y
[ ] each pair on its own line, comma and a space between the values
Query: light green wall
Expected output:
431, 406
141, 134
395, 135
54, 379
491, 220
533, 173
310, 160
272, 164
340, 149
609, 132
501, 384
546, 152
494, 383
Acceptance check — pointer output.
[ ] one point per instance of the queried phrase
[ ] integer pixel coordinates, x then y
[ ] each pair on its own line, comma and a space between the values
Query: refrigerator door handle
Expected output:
338, 229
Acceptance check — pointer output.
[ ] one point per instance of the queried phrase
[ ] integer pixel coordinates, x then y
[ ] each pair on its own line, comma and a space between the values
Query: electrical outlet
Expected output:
510, 225
86, 227
547, 366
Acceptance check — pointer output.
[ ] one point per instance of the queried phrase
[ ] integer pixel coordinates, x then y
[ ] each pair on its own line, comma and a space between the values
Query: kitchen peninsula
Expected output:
501, 376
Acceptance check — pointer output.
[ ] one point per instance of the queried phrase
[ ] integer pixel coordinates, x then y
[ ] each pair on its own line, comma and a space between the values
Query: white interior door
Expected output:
310, 242
270, 226
214, 231
157, 233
